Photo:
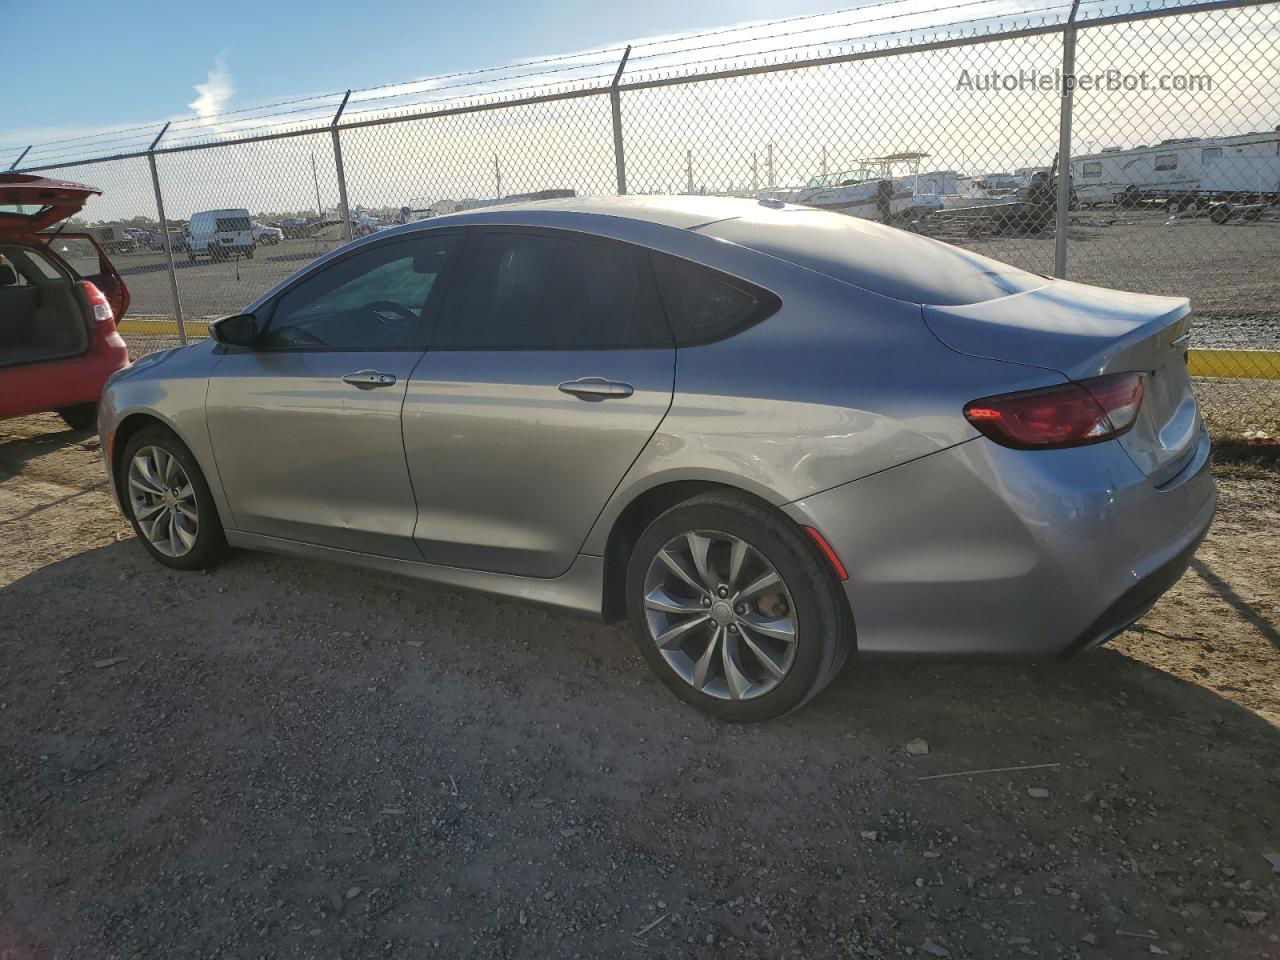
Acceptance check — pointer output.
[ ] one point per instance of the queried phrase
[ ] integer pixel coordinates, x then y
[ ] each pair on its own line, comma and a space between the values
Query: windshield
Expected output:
843, 178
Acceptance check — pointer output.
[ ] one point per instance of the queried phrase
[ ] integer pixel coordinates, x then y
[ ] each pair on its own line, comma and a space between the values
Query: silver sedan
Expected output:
769, 436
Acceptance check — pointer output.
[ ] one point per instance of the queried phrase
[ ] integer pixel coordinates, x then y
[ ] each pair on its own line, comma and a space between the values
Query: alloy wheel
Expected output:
720, 615
163, 501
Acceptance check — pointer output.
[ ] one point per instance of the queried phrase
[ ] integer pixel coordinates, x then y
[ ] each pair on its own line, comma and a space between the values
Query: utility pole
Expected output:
755, 171
688, 167
768, 166
497, 176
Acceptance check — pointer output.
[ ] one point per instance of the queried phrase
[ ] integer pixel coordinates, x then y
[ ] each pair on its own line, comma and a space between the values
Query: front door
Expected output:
550, 370
305, 426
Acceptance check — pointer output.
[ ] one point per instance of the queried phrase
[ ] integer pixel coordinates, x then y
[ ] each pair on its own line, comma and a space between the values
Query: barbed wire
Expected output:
193, 130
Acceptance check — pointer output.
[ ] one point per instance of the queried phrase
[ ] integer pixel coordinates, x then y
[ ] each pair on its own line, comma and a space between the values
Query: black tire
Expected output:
210, 544
83, 416
824, 626
1220, 213
249, 253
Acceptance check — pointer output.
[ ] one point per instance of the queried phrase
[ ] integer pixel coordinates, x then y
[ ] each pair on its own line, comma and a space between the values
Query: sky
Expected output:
150, 55
221, 80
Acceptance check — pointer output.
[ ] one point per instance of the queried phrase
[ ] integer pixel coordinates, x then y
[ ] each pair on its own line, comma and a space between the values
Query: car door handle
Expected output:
368, 379
596, 388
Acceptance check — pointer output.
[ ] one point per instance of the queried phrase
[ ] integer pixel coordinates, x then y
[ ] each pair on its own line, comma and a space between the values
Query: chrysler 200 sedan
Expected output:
767, 435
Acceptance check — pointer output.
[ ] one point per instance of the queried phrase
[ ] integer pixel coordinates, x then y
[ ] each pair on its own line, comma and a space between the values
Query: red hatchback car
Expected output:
60, 298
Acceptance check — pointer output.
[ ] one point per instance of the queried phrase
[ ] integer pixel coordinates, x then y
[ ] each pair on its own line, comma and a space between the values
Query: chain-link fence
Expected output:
1170, 127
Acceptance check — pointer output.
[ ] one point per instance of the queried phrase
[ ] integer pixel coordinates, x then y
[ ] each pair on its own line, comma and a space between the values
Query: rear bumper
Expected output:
982, 551
56, 384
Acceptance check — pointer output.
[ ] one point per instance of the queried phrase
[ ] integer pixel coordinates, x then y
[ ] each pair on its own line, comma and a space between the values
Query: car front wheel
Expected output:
732, 608
168, 501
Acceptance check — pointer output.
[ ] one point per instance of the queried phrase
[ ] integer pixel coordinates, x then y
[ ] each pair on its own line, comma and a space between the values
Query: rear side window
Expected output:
230, 224
703, 306
79, 254
540, 291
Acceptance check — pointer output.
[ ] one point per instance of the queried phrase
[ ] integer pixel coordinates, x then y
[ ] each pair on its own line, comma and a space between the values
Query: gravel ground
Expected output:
287, 759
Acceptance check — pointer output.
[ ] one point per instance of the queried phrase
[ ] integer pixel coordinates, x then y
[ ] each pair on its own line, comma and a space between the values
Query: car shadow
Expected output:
338, 724
17, 449
1236, 602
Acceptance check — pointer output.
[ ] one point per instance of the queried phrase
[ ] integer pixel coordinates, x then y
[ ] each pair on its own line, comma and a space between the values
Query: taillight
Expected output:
98, 302
1067, 415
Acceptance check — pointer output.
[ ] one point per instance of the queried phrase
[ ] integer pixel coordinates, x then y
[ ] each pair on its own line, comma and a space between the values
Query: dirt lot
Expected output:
286, 759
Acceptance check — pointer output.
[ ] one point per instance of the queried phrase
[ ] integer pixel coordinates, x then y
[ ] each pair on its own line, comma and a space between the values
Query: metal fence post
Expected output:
164, 234
14, 165
342, 174
615, 102
1061, 210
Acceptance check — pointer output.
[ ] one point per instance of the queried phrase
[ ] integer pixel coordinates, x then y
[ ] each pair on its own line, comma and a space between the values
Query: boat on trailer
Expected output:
884, 188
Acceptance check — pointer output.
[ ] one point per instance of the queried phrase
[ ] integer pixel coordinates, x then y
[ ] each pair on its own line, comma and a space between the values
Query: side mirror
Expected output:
240, 330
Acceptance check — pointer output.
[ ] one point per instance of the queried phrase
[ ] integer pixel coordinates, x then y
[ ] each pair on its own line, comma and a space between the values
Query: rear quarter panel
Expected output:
838, 384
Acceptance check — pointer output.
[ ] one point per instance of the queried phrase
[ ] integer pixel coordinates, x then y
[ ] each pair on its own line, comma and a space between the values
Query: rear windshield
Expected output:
22, 209
233, 223
885, 260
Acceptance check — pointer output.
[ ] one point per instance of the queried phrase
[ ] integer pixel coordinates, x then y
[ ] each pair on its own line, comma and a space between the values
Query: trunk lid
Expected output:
29, 204
1082, 331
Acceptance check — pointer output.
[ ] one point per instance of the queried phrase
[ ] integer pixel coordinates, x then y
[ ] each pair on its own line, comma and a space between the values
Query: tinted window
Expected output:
79, 254
702, 305
233, 223
1093, 169
1167, 161
371, 300
538, 291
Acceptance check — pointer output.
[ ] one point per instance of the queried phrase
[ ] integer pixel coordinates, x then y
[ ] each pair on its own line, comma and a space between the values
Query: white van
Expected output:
220, 235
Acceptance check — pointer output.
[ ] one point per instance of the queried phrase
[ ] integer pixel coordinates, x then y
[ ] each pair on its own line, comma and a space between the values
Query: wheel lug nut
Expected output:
733, 628
723, 591
742, 609
706, 601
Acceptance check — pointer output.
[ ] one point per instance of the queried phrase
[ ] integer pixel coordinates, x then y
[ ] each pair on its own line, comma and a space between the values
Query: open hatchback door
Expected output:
30, 205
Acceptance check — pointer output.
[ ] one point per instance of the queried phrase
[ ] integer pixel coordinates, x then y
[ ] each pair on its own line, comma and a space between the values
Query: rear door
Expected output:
549, 372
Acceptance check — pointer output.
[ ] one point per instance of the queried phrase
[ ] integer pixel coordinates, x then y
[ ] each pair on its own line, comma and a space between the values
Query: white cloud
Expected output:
215, 92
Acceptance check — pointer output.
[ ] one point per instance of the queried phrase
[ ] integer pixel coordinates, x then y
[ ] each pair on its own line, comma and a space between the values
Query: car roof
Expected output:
680, 211
877, 257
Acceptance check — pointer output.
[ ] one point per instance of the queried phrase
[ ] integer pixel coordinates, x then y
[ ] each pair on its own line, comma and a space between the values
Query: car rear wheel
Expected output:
734, 611
168, 501
83, 416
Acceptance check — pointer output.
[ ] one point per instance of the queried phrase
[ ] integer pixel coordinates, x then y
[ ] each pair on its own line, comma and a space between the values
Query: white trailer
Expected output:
1182, 172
